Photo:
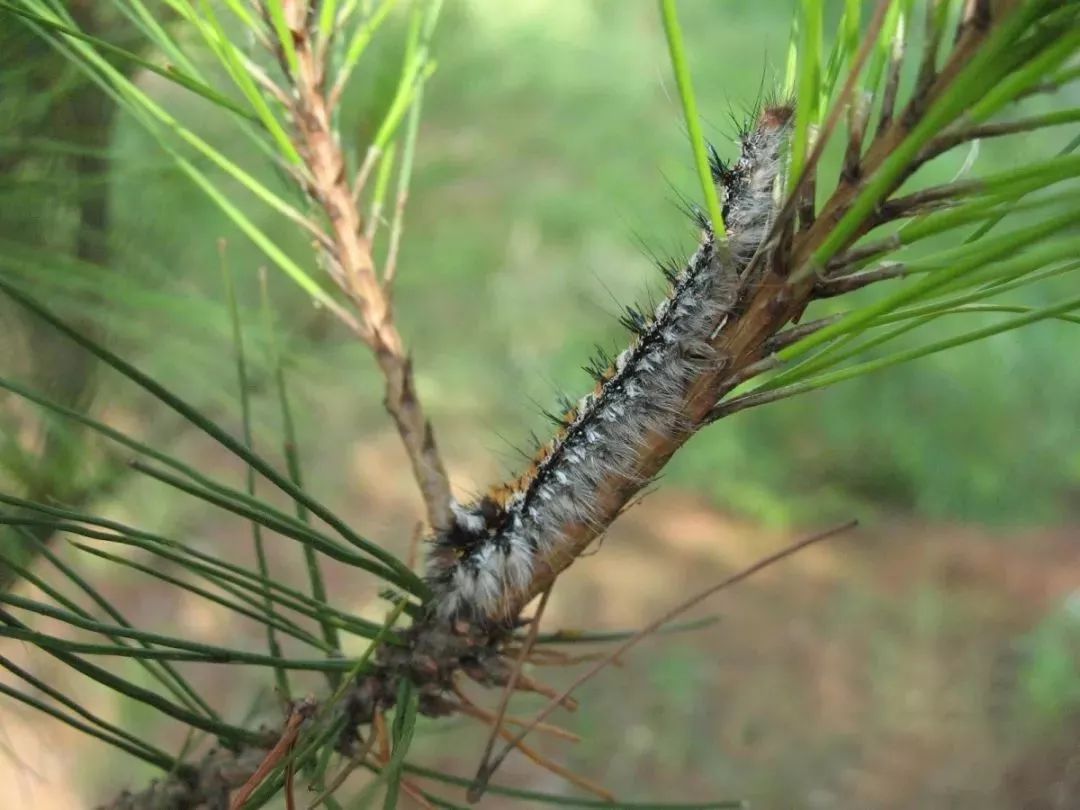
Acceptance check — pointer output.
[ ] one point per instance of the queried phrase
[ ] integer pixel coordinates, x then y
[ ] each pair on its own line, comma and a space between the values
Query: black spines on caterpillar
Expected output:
749, 185
487, 557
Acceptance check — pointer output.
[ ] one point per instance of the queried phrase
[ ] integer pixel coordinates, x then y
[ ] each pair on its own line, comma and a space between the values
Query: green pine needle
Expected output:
679, 65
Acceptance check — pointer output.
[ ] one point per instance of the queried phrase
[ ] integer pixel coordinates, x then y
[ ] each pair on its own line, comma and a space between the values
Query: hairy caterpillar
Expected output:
487, 556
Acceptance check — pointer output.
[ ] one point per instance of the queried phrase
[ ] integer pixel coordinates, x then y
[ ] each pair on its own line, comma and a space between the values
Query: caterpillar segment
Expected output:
487, 557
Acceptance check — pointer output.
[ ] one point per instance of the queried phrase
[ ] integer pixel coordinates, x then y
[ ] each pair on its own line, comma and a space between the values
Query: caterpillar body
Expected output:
479, 565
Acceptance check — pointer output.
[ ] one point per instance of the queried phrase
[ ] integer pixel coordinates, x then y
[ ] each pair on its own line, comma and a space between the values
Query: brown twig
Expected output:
301, 711
474, 792
363, 174
527, 684
554, 658
950, 140
832, 287
382, 736
788, 337
651, 628
839, 264
892, 81
925, 200
747, 401
290, 797
935, 30
797, 333
416, 794
747, 373
976, 14
266, 83
858, 116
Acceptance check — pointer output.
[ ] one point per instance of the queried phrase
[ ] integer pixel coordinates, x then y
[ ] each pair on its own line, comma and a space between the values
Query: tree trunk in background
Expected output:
83, 117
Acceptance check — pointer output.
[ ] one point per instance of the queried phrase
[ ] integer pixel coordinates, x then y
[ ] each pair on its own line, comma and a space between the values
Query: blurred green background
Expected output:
551, 165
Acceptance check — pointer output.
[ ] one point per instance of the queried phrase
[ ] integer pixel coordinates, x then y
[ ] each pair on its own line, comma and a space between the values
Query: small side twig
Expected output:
926, 200
753, 400
841, 264
508, 690
949, 140
554, 658
266, 83
935, 30
858, 116
382, 736
775, 344
290, 796
383, 755
784, 339
527, 684
976, 15
363, 174
831, 287
767, 363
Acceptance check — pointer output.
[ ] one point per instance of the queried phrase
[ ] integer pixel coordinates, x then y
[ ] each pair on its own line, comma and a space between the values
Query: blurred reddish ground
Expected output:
883, 669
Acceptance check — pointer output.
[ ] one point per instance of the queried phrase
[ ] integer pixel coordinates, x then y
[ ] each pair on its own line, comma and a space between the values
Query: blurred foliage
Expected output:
551, 165
1050, 677
55, 133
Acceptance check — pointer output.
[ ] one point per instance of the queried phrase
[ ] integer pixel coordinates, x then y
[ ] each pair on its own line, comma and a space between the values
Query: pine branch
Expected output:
354, 265
785, 284
782, 252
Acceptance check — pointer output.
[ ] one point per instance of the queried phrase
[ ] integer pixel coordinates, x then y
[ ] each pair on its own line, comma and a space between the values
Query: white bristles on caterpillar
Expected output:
487, 557
750, 184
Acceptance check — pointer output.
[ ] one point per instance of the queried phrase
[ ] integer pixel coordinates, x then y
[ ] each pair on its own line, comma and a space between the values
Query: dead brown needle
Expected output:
467, 707
504, 699
300, 712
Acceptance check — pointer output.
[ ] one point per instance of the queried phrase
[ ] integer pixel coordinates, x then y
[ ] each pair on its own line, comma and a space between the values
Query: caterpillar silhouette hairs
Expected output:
481, 566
